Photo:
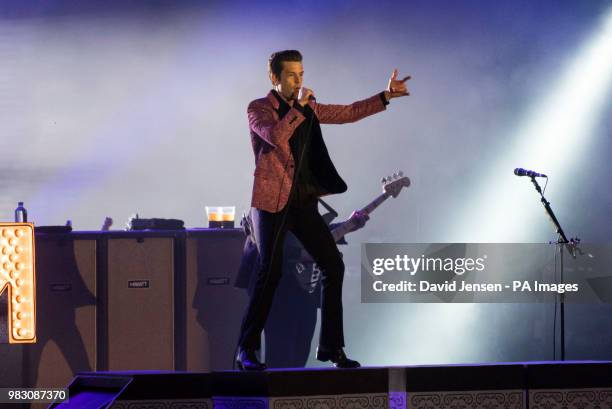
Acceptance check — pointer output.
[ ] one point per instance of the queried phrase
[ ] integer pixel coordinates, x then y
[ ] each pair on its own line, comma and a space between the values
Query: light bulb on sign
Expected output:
17, 276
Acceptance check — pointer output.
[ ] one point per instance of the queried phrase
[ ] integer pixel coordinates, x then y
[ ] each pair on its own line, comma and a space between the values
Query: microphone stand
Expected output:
561, 242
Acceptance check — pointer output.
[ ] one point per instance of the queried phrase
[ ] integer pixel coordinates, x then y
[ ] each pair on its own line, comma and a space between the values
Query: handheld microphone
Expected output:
311, 97
530, 173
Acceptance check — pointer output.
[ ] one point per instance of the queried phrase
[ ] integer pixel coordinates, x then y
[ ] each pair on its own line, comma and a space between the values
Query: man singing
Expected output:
293, 169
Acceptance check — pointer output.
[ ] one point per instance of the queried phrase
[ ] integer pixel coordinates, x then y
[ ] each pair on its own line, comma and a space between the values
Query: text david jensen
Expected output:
516, 286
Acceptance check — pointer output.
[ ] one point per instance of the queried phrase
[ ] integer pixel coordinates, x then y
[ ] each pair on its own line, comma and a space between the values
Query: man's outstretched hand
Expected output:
396, 88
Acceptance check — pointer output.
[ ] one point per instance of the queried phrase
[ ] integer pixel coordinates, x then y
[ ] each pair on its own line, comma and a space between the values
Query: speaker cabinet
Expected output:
214, 306
66, 312
140, 303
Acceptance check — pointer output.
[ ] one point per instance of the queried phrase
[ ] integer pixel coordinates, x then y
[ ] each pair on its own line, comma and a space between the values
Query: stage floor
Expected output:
541, 385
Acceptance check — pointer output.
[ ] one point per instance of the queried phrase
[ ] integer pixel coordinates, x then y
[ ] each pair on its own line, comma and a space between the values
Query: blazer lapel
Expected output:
273, 100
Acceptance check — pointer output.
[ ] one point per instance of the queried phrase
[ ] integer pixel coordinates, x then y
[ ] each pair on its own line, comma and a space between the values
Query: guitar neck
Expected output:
348, 226
375, 203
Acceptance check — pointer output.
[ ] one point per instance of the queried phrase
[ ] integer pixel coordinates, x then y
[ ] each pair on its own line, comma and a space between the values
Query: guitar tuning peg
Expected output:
400, 173
395, 176
383, 180
389, 178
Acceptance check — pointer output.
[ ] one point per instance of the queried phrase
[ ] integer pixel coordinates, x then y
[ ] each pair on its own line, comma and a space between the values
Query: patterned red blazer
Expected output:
274, 163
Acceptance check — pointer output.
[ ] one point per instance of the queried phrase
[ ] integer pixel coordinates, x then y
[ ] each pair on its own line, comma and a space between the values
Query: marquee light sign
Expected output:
18, 278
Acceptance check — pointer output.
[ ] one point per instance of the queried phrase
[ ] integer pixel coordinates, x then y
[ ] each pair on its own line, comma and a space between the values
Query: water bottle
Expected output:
21, 214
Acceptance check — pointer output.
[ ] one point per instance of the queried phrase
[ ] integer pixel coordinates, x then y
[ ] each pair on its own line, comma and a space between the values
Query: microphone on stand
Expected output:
530, 173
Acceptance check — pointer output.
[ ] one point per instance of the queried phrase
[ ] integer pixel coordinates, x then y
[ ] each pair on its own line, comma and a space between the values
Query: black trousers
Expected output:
290, 326
305, 222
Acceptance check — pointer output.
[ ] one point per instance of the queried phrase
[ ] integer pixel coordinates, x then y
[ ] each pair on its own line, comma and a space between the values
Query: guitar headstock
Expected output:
392, 185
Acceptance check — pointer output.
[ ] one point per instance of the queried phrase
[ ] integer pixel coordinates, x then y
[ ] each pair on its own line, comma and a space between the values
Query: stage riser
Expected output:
515, 399
550, 385
591, 398
507, 399
163, 404
393, 400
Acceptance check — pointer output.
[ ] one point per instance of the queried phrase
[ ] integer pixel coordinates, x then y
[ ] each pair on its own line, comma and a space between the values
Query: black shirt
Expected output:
304, 182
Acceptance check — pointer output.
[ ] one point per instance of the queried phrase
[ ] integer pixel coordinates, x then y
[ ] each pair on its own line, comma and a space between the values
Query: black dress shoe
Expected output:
337, 356
246, 360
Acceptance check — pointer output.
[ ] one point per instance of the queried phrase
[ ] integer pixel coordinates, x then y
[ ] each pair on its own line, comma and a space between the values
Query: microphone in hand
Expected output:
305, 95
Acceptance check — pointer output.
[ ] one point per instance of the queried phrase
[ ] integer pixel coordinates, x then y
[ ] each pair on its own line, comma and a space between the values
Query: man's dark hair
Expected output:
275, 63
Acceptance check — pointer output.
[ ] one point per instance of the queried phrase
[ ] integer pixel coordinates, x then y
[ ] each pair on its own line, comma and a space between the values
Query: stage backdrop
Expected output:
114, 108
